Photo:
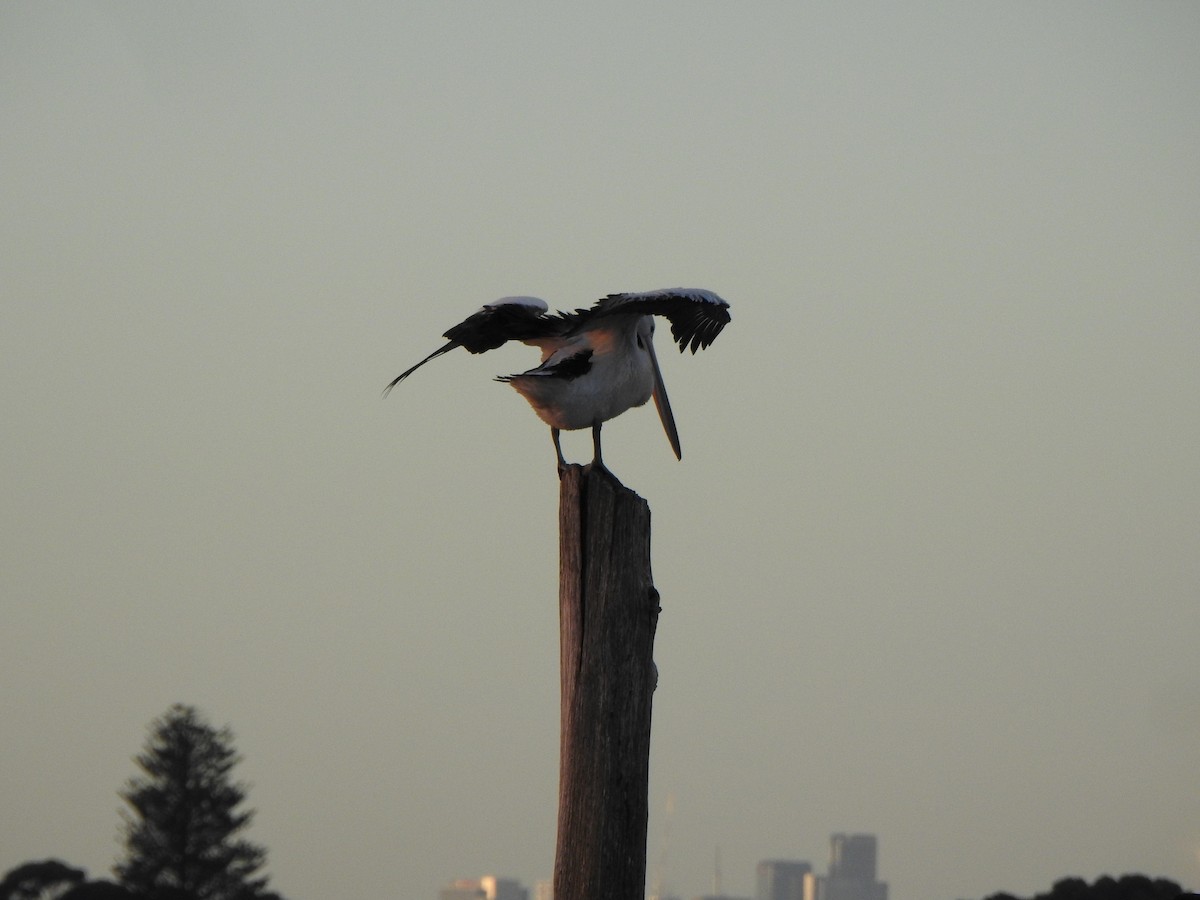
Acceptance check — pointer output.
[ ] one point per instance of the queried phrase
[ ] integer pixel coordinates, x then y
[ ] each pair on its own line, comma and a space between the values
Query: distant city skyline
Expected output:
851, 875
485, 887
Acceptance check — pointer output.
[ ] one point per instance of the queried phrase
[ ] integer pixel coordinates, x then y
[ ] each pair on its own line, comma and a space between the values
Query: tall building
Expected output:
780, 879
462, 889
489, 887
503, 888
852, 856
852, 859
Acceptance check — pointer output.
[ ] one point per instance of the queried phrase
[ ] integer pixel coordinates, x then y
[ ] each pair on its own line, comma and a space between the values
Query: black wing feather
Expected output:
696, 316
493, 326
567, 368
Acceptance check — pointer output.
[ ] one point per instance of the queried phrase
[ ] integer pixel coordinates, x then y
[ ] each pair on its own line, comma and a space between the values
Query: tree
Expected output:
43, 880
1127, 887
181, 826
97, 890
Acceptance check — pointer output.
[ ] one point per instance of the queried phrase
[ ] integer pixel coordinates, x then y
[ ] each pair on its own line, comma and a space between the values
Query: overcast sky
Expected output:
929, 566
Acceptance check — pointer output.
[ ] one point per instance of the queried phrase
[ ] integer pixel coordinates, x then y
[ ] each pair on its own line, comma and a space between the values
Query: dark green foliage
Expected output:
97, 890
1127, 887
182, 822
39, 880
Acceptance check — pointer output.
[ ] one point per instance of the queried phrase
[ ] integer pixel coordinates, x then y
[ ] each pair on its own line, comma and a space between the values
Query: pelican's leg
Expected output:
596, 458
562, 463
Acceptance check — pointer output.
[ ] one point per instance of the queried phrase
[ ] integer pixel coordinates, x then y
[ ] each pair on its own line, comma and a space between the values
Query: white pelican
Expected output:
596, 363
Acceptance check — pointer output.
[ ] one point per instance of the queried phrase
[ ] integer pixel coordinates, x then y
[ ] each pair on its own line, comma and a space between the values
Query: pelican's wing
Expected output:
567, 365
493, 325
506, 319
696, 316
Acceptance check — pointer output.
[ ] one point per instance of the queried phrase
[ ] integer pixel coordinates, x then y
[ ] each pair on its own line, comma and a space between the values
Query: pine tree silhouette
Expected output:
182, 823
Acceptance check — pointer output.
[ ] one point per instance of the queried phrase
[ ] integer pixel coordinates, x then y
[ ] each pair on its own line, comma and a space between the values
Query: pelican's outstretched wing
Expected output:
696, 315
493, 325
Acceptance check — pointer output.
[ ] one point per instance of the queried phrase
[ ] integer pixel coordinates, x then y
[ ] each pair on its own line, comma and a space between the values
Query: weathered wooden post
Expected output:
608, 611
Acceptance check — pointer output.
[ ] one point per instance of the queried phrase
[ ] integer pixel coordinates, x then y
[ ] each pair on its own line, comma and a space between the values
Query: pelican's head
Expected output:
644, 333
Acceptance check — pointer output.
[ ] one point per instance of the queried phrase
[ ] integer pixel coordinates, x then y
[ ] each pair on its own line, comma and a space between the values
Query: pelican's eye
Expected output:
643, 340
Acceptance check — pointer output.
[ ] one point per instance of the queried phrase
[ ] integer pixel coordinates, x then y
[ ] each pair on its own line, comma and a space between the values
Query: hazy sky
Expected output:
930, 563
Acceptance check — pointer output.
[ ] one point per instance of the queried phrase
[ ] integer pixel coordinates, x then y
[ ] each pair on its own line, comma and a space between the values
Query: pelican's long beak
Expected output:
664, 405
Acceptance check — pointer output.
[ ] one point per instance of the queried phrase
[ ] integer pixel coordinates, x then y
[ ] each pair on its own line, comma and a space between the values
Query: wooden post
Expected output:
608, 611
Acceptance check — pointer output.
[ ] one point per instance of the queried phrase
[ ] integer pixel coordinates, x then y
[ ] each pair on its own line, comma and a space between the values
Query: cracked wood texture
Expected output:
608, 612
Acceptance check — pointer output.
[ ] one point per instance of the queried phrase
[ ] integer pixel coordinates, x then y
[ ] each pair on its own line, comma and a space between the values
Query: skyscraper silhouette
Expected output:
780, 879
852, 856
851, 875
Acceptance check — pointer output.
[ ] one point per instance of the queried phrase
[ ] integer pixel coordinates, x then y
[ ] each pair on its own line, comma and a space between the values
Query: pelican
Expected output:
596, 363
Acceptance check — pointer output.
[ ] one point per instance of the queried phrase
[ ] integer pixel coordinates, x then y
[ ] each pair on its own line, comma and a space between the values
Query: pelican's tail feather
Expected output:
434, 355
